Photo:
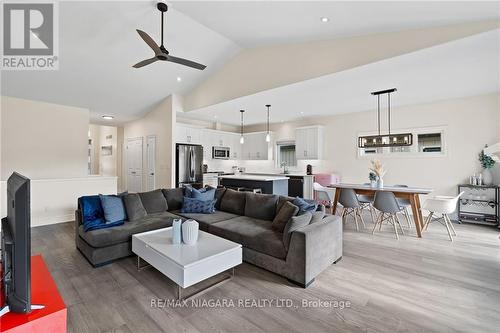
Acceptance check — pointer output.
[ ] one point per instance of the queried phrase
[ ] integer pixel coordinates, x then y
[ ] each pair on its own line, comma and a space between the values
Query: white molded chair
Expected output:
443, 205
324, 194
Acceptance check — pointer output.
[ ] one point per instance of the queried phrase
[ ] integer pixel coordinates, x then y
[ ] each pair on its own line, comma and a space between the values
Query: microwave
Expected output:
220, 153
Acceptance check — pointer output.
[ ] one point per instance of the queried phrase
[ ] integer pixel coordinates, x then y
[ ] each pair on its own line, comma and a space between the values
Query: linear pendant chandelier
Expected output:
386, 140
242, 138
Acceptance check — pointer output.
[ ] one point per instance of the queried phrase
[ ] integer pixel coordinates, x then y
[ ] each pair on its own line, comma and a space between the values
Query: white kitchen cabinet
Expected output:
256, 147
309, 142
235, 146
186, 134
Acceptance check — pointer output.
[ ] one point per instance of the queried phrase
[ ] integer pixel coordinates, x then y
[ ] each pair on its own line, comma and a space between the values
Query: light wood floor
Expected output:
410, 285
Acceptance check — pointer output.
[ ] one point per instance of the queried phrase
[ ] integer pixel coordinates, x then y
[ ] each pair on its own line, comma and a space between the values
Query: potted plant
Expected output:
378, 169
487, 163
373, 178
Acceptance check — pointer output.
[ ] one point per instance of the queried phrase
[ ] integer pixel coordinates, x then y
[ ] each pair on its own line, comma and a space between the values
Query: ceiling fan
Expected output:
161, 52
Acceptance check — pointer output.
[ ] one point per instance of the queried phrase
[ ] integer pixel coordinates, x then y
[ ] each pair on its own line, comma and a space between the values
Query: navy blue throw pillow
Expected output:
192, 205
305, 206
114, 210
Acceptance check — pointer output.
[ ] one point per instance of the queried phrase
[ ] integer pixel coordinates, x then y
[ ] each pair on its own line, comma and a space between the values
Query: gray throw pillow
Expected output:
295, 223
287, 211
133, 206
261, 206
317, 216
233, 202
175, 198
154, 201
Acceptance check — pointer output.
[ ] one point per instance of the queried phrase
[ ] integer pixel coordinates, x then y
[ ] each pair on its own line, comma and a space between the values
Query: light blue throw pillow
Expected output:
305, 205
192, 205
114, 210
205, 194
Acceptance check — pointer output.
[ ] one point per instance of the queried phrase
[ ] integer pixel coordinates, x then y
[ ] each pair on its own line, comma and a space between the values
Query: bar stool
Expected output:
405, 204
386, 203
441, 205
349, 200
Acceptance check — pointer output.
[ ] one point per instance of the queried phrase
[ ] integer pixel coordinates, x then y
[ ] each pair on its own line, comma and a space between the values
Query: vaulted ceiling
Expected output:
98, 46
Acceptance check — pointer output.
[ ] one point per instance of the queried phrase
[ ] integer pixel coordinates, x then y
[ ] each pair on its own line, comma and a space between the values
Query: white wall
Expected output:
55, 200
470, 124
161, 123
43, 140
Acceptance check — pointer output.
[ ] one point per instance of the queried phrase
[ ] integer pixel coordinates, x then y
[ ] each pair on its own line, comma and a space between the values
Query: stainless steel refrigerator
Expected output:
188, 162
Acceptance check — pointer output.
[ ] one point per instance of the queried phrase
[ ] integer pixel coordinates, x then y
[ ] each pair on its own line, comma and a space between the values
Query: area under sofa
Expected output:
241, 217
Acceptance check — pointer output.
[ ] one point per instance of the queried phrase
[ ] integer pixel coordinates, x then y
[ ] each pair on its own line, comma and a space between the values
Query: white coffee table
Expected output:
184, 264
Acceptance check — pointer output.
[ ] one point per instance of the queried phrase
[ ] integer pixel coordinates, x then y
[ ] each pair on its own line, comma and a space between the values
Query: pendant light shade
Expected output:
389, 139
268, 135
242, 138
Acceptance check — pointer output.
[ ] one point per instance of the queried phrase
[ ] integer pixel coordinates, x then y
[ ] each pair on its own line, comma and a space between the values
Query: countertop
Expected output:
262, 178
293, 174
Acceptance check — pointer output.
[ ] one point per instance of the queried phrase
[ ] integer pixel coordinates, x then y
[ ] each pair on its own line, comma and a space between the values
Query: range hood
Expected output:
493, 151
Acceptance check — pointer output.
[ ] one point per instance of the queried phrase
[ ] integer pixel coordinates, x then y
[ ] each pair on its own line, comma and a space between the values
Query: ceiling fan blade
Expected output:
149, 41
186, 62
145, 62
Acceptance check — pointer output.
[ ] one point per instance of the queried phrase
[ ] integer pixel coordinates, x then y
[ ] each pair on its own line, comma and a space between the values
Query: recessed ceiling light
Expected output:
108, 117
325, 19
179, 79
215, 117
301, 112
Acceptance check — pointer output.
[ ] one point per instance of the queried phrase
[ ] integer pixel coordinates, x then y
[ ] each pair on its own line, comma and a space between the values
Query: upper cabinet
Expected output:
256, 147
309, 143
186, 134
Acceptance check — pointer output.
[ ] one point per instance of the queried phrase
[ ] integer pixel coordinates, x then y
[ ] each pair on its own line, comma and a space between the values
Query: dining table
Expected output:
410, 193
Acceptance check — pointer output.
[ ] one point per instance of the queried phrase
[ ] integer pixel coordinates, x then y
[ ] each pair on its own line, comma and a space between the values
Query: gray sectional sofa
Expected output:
242, 217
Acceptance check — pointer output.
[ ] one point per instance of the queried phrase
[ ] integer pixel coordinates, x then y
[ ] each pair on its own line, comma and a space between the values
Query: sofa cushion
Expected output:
281, 200
205, 193
154, 201
193, 205
133, 206
114, 210
175, 198
261, 206
206, 219
295, 223
251, 233
317, 216
124, 232
233, 202
287, 211
219, 193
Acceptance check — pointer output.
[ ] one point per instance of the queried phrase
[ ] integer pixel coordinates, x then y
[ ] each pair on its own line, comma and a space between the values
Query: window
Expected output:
427, 141
286, 153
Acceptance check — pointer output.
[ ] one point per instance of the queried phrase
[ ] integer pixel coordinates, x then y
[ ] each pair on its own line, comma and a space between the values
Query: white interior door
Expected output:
134, 165
151, 158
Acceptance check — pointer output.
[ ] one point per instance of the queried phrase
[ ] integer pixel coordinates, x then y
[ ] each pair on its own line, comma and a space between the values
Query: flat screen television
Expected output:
16, 246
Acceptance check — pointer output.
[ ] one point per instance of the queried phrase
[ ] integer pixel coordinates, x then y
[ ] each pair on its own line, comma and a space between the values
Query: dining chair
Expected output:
405, 204
366, 202
324, 194
387, 204
443, 205
351, 206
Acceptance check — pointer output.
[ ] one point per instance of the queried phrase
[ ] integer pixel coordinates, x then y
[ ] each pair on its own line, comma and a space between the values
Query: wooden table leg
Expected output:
336, 200
417, 214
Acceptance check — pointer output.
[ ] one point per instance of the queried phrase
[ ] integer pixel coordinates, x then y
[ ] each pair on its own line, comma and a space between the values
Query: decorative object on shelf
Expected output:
268, 134
373, 178
487, 163
242, 138
378, 169
190, 232
176, 231
106, 150
387, 140
309, 170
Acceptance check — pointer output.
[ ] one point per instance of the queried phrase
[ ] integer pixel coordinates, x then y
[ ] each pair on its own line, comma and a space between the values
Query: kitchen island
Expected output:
267, 184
